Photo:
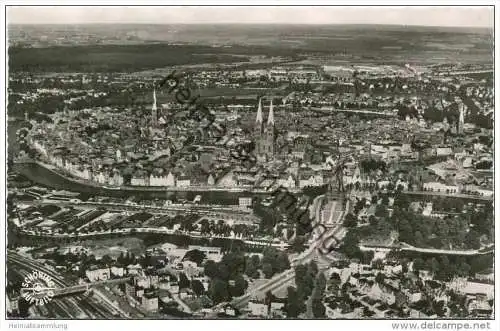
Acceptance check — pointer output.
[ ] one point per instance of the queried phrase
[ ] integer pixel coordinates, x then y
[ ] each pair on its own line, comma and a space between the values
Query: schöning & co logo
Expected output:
37, 288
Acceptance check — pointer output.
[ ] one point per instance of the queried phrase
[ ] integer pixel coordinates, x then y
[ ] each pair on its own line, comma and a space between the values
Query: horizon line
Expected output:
262, 23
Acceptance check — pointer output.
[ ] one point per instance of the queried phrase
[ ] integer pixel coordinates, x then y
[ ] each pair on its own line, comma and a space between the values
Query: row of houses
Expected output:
393, 290
454, 189
392, 152
113, 176
141, 178
300, 178
106, 177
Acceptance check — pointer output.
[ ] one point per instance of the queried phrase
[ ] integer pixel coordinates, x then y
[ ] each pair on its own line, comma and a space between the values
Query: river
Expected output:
45, 177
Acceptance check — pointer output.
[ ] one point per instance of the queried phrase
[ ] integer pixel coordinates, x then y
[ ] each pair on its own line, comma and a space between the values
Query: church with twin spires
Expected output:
265, 135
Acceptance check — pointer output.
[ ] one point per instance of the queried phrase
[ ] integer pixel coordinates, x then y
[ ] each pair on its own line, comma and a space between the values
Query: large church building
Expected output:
265, 135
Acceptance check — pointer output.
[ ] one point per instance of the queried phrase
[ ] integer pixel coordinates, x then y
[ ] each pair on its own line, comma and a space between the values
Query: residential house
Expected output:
439, 187
169, 180
139, 179
149, 302
183, 181
258, 309
286, 180
211, 180
117, 271
134, 269
486, 275
277, 309
129, 289
308, 179
95, 275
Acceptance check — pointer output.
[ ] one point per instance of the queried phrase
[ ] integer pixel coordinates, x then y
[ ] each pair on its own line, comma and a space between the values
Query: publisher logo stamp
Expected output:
37, 288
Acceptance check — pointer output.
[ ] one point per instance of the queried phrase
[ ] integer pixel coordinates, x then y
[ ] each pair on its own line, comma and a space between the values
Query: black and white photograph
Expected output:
249, 162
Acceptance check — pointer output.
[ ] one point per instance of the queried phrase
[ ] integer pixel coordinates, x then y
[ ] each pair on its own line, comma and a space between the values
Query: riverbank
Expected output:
128, 231
206, 188
152, 236
44, 175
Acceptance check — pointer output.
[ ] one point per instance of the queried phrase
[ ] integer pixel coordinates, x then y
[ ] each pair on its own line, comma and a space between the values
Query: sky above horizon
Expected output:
424, 16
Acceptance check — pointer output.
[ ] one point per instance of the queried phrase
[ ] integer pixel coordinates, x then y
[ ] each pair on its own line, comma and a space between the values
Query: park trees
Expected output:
252, 266
294, 305
197, 287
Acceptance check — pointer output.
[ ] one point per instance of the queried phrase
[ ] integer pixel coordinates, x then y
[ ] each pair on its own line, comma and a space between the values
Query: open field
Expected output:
154, 48
108, 246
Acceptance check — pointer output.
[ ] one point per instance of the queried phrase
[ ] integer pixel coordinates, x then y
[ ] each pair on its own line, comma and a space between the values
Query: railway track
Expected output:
67, 307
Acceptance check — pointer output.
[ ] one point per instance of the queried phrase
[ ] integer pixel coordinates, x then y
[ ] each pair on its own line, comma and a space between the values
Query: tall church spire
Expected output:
461, 120
270, 119
259, 112
154, 112
154, 99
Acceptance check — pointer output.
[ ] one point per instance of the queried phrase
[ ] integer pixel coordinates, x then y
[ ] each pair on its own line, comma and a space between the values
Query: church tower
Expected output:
264, 134
461, 119
154, 111
258, 129
259, 125
270, 133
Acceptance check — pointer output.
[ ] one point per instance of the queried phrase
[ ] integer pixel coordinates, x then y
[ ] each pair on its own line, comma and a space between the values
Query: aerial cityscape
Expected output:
249, 171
